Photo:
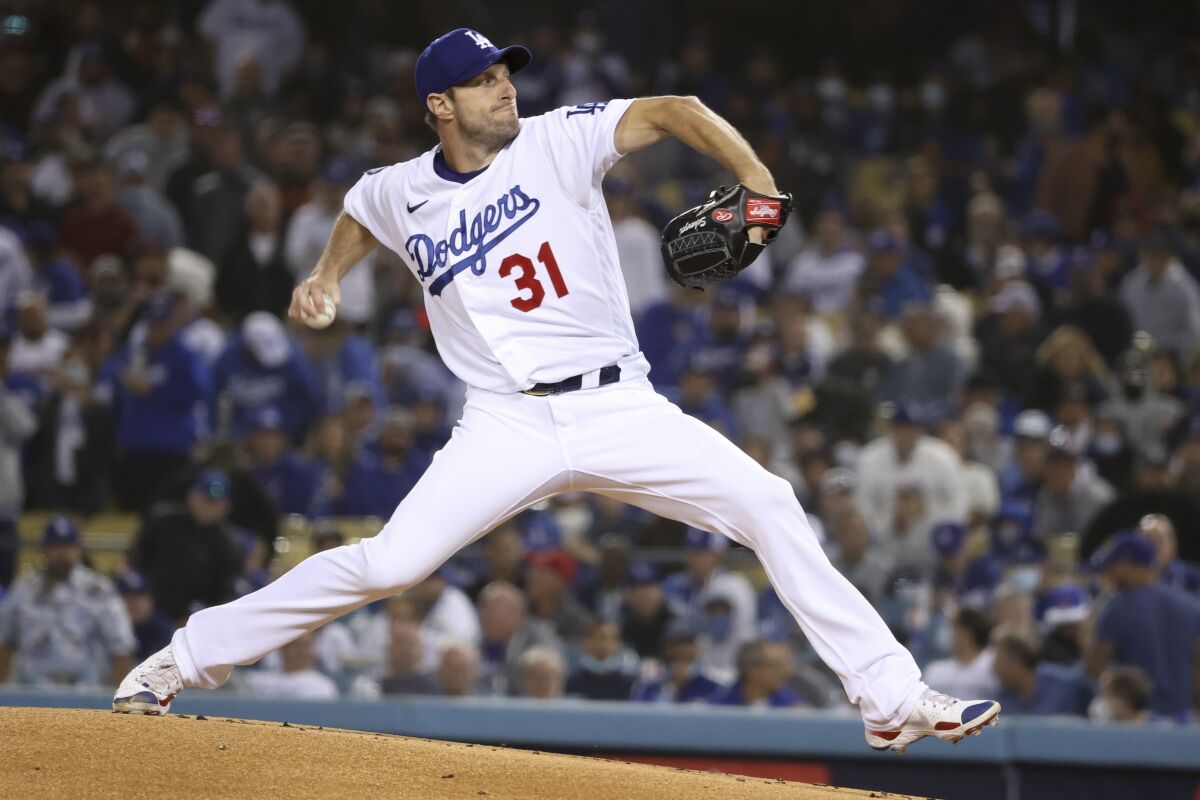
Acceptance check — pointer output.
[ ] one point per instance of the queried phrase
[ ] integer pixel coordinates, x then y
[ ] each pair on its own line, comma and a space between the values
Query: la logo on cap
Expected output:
481, 40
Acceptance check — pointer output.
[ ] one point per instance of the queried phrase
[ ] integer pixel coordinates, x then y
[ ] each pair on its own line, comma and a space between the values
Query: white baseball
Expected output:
322, 320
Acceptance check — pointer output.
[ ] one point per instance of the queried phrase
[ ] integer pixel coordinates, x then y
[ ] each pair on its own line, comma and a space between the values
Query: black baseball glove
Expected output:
708, 244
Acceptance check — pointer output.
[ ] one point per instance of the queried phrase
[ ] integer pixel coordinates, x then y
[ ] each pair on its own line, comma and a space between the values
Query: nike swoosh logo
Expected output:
412, 208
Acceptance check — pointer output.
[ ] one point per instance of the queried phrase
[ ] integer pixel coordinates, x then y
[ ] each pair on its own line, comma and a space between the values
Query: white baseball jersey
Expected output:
518, 261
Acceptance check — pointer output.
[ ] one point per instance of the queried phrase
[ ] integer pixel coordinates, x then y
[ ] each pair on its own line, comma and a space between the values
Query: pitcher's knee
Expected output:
385, 575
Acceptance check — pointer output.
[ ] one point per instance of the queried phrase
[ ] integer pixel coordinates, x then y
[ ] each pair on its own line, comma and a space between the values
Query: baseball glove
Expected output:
708, 244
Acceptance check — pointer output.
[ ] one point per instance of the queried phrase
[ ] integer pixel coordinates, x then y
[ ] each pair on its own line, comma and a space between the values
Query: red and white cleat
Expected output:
941, 716
150, 687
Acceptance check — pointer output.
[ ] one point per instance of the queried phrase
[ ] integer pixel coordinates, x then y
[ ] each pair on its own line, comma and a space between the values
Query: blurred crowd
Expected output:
974, 353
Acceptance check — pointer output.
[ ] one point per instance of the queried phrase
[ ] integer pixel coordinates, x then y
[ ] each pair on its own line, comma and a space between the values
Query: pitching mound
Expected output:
53, 753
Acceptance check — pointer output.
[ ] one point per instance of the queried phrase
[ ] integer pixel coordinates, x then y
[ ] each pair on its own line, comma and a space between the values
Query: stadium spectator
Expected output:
151, 628
548, 581
638, 243
36, 350
969, 670
1021, 478
252, 274
153, 215
157, 388
1027, 687
1144, 415
17, 424
1162, 298
763, 670
269, 34
1070, 495
104, 103
704, 572
907, 456
343, 359
96, 224
543, 674
378, 480
309, 230
162, 139
931, 372
683, 679
290, 480
828, 270
1124, 697
63, 624
645, 617
458, 670
1146, 624
1009, 336
503, 559
700, 397
405, 673
200, 538
507, 633
891, 282
606, 669
262, 367
447, 615
868, 566
216, 199
979, 480
297, 677
1062, 613
1173, 571
68, 307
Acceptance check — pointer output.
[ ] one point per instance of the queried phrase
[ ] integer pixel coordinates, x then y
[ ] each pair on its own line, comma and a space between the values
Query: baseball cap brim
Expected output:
516, 56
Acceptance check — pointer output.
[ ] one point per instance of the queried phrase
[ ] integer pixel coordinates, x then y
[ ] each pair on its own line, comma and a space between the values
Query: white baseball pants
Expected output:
510, 451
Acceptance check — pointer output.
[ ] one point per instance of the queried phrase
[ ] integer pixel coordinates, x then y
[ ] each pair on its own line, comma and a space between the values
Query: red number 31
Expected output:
527, 280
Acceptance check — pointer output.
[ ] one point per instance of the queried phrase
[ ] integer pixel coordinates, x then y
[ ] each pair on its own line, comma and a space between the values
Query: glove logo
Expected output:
722, 215
762, 209
695, 224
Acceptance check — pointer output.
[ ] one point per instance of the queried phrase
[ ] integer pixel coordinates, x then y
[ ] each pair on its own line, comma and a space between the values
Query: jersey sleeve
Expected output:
581, 143
371, 202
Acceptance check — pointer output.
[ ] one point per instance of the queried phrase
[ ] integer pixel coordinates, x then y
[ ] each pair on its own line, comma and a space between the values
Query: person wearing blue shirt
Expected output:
68, 305
1021, 478
340, 358
1028, 687
890, 277
698, 396
262, 367
378, 480
290, 480
158, 388
151, 627
763, 671
1146, 624
723, 344
684, 680
669, 332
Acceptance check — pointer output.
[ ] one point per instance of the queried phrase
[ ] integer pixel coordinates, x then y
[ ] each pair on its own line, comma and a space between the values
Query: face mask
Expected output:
719, 627
1025, 578
1107, 444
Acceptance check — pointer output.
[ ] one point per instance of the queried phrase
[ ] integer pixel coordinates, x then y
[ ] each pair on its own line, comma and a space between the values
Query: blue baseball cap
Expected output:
696, 539
978, 581
459, 56
60, 530
1010, 526
1061, 605
212, 483
131, 582
948, 538
1127, 545
882, 240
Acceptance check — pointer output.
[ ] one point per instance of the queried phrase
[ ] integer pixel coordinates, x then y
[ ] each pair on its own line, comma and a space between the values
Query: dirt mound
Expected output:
55, 753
